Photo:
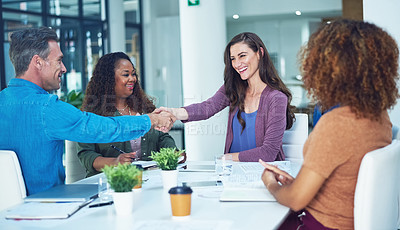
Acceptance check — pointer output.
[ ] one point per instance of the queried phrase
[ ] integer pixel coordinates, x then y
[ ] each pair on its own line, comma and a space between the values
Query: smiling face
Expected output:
53, 68
125, 78
244, 60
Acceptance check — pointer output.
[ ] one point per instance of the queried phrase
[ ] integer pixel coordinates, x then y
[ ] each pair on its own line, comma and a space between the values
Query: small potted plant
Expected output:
122, 178
167, 160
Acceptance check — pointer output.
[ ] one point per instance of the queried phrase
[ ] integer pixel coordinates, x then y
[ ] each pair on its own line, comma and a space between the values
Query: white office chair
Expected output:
12, 190
396, 136
294, 138
74, 170
395, 132
376, 203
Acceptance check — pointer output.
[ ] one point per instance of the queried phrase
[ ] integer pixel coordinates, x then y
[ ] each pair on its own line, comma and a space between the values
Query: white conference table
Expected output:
152, 210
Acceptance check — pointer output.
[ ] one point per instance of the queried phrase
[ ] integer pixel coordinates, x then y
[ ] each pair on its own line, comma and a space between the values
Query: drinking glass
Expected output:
223, 165
104, 190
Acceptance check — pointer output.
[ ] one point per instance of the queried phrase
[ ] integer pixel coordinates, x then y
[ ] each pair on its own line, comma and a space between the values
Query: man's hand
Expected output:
162, 121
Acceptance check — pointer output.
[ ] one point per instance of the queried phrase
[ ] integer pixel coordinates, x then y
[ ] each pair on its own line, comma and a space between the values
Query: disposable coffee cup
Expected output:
180, 200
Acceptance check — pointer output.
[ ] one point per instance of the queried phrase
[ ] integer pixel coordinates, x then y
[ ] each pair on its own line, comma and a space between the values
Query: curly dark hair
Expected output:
100, 92
351, 63
235, 87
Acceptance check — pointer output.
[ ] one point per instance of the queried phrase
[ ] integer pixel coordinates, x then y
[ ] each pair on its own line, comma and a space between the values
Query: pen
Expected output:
119, 150
100, 204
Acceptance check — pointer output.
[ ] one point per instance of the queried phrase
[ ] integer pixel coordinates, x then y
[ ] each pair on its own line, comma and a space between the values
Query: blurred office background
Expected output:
177, 45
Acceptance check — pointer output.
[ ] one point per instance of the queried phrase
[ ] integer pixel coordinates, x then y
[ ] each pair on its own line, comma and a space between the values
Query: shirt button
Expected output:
144, 139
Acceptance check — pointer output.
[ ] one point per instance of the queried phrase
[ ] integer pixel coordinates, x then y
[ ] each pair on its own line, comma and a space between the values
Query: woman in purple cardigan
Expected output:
259, 101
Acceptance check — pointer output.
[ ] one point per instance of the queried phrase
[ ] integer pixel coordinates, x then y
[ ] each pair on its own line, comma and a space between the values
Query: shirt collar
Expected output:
18, 82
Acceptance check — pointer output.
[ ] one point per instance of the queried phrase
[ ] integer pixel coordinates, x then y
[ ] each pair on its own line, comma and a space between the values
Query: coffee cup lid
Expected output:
180, 190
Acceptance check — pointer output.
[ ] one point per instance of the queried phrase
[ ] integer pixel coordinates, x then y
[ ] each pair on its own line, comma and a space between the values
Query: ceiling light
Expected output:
235, 16
298, 12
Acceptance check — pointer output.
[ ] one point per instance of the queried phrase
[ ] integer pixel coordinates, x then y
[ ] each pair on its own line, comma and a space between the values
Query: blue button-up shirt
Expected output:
34, 124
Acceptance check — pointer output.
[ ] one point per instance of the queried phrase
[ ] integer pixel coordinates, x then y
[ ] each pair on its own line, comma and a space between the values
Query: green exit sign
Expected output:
193, 2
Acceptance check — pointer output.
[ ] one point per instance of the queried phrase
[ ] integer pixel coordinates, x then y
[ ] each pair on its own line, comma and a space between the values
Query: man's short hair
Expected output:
26, 43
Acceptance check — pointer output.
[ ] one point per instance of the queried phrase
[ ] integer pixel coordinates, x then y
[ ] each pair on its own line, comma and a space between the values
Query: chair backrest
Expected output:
74, 170
395, 132
12, 190
294, 138
376, 203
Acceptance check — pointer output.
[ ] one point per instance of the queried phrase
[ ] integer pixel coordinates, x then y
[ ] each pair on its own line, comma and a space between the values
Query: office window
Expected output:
132, 11
80, 24
133, 47
133, 35
64, 7
94, 39
93, 9
32, 6
12, 22
15, 21
71, 46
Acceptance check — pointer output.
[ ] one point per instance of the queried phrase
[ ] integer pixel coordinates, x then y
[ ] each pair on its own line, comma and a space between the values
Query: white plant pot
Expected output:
123, 203
169, 178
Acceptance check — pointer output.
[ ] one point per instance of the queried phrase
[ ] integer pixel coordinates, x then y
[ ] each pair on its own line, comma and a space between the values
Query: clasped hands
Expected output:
162, 119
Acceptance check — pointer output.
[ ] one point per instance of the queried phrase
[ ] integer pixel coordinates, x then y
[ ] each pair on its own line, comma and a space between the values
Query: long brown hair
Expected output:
236, 88
100, 92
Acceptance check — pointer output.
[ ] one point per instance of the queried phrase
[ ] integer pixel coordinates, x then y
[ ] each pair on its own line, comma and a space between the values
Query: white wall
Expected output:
161, 34
203, 40
282, 37
116, 25
385, 13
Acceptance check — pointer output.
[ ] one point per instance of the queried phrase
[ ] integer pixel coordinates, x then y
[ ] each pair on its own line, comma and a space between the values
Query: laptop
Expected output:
66, 193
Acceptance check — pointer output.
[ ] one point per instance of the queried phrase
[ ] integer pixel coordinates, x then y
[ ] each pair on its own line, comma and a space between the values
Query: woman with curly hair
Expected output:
258, 100
352, 64
114, 90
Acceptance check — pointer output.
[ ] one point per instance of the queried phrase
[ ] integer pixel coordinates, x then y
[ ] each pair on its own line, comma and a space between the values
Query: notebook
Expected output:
66, 193
39, 210
145, 164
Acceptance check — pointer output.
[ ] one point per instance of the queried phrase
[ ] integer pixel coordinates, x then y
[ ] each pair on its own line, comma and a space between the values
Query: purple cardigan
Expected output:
270, 123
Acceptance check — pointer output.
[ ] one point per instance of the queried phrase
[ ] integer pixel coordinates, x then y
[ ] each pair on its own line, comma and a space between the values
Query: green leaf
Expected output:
74, 98
167, 158
123, 177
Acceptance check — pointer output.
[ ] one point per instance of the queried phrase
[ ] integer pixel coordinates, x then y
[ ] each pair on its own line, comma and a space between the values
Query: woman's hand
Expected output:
125, 158
184, 158
178, 113
280, 175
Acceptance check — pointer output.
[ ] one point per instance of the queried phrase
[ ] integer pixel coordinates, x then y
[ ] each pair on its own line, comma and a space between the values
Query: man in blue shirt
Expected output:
34, 123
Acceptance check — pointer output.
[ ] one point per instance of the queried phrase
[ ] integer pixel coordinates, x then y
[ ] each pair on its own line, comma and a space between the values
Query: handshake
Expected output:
163, 118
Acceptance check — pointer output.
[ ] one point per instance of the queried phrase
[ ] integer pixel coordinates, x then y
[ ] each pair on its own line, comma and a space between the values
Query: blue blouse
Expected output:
247, 139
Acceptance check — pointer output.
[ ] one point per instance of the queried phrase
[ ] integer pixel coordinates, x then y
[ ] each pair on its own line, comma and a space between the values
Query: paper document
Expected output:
196, 168
256, 167
39, 210
145, 164
246, 194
